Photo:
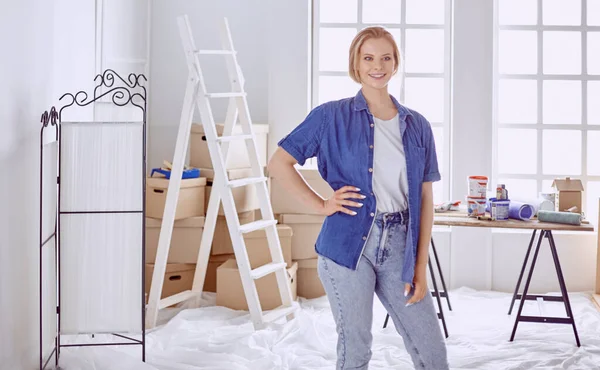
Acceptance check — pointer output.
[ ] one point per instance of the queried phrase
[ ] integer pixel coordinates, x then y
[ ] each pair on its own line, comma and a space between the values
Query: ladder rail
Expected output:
261, 189
215, 197
220, 188
166, 230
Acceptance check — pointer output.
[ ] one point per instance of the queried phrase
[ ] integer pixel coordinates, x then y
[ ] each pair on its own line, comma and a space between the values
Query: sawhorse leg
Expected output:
443, 293
435, 293
563, 289
516, 294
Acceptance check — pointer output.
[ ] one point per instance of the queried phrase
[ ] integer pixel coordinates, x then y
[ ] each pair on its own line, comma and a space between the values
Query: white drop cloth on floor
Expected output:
218, 338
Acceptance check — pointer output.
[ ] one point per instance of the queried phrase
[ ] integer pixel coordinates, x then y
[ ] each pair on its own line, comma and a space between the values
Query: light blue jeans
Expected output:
351, 292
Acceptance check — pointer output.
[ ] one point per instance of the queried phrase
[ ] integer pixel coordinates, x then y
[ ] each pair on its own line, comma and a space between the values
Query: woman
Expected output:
380, 158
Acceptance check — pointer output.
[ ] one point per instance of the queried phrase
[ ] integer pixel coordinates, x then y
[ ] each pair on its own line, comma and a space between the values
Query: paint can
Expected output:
476, 206
499, 209
546, 201
477, 186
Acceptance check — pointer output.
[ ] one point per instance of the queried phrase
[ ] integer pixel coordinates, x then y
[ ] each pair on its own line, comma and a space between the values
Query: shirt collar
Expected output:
360, 103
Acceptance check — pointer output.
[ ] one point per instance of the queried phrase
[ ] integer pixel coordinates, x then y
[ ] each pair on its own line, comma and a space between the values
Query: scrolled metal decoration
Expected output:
121, 95
49, 118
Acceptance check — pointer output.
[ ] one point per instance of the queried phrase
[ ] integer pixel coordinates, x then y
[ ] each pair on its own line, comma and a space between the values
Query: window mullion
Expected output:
540, 100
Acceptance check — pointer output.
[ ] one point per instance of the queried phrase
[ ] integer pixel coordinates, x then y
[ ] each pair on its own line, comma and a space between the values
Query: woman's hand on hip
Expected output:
341, 199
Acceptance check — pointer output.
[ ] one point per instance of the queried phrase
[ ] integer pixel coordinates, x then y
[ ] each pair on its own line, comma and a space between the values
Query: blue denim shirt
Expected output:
341, 134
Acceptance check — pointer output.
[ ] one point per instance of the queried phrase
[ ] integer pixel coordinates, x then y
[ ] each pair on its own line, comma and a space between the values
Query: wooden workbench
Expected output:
458, 218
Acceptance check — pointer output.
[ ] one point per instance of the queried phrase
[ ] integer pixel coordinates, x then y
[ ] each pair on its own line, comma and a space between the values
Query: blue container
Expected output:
499, 209
192, 173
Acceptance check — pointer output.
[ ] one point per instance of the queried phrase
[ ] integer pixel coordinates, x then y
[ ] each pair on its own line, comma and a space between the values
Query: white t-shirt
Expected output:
390, 183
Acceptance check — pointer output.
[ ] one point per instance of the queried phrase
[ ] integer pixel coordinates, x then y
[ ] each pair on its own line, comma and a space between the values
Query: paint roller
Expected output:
521, 211
567, 218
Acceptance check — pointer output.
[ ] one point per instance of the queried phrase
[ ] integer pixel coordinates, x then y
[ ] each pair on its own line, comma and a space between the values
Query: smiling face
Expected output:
376, 64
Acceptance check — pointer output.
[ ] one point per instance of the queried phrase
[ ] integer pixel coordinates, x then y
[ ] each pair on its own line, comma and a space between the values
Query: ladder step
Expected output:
215, 52
246, 181
223, 139
226, 95
279, 312
176, 298
267, 269
256, 225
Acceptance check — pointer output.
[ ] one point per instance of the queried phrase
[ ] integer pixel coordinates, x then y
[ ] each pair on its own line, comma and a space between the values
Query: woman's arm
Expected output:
426, 226
281, 165
420, 279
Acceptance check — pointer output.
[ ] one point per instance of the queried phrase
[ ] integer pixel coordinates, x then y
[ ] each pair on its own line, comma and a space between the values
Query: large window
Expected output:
422, 31
547, 96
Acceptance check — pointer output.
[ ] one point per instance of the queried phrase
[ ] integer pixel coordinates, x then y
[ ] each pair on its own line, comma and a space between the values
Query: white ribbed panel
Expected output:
101, 254
49, 283
50, 172
101, 273
101, 166
49, 323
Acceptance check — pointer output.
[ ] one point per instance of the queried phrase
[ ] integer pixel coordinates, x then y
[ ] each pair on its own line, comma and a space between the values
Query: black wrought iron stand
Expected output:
435, 292
131, 91
564, 297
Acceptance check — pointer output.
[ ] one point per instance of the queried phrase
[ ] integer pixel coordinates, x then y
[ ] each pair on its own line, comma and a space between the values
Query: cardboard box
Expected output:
231, 294
258, 247
185, 239
284, 201
568, 194
221, 241
178, 278
238, 154
189, 204
245, 197
306, 229
309, 283
210, 281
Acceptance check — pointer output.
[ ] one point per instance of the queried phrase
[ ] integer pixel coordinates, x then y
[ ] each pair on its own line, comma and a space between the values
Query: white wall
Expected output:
248, 22
49, 48
26, 36
273, 41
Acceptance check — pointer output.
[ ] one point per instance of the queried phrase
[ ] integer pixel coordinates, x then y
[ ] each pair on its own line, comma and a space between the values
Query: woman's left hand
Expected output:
420, 282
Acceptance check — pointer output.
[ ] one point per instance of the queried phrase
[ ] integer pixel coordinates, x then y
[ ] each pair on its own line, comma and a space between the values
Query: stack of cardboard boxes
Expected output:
222, 275
187, 231
306, 225
298, 228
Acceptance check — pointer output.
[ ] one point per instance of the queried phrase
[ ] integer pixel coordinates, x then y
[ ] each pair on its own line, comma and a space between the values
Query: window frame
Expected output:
446, 75
584, 127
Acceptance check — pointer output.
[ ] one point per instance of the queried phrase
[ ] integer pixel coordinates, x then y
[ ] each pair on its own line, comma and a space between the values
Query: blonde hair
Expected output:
373, 32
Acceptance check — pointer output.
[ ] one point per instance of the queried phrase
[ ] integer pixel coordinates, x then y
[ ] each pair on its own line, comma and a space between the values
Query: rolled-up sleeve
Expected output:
303, 142
431, 172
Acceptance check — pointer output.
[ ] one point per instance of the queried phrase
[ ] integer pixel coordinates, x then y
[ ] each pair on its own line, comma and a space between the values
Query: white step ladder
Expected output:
221, 190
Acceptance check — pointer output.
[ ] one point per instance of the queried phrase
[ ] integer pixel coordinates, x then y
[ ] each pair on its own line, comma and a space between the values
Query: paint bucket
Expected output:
476, 206
477, 186
499, 209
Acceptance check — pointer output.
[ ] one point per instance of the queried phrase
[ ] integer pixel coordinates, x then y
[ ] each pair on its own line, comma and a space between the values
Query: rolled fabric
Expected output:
567, 218
520, 210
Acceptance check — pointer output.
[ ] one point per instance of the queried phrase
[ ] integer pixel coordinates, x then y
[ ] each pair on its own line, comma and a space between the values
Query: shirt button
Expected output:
372, 214
370, 170
364, 238
371, 146
372, 125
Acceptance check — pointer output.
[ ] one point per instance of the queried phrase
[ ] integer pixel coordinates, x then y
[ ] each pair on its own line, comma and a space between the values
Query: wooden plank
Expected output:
596, 300
455, 220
